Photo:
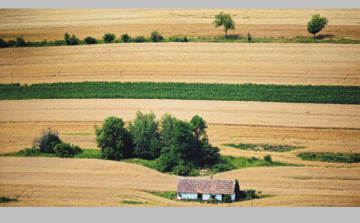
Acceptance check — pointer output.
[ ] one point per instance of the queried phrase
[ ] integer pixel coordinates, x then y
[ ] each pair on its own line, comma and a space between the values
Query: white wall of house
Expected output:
233, 197
206, 197
187, 196
218, 197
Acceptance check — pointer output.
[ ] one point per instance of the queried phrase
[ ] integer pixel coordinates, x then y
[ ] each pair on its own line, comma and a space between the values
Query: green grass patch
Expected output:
147, 163
184, 91
263, 147
7, 199
171, 195
32, 152
331, 157
132, 202
89, 154
76, 134
298, 39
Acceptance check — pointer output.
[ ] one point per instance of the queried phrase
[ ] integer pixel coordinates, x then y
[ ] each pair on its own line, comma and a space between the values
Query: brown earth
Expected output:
51, 24
70, 182
263, 63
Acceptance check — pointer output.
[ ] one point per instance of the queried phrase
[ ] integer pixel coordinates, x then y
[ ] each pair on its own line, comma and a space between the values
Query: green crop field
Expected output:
184, 91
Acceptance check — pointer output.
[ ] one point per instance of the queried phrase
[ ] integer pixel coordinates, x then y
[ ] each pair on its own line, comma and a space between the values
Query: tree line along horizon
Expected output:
315, 25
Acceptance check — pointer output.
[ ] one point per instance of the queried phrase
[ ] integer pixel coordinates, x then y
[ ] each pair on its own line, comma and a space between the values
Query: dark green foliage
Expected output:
237, 190
132, 202
316, 24
3, 43
33, 152
156, 37
185, 91
11, 43
331, 157
73, 40
65, 150
178, 39
223, 19
139, 39
249, 37
20, 42
268, 158
212, 200
109, 37
90, 40
263, 147
167, 126
48, 140
126, 38
113, 139
7, 199
146, 136
227, 198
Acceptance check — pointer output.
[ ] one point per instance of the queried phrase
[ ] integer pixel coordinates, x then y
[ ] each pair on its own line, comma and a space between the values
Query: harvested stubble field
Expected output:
51, 24
69, 182
261, 63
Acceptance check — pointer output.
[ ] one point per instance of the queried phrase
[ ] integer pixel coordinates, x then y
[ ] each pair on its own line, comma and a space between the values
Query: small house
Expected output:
204, 189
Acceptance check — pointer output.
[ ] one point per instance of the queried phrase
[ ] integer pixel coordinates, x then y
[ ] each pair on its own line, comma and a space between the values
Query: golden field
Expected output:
327, 128
261, 63
51, 24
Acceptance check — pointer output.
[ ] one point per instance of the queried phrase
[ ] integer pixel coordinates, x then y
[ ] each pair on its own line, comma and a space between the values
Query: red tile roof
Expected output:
205, 186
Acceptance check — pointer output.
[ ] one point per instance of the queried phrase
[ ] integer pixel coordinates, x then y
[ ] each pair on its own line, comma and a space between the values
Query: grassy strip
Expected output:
7, 199
263, 147
184, 91
217, 39
331, 157
298, 39
226, 163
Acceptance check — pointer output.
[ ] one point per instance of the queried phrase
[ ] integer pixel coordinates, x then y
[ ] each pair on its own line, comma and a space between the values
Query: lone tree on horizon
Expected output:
316, 24
223, 19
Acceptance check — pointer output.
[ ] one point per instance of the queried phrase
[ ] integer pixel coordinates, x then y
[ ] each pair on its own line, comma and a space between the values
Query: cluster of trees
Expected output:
179, 147
50, 142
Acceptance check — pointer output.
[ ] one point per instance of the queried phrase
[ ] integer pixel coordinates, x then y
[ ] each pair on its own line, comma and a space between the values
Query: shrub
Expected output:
156, 37
223, 167
65, 150
212, 200
73, 40
139, 39
31, 151
11, 43
125, 37
113, 139
90, 40
20, 42
227, 198
48, 140
249, 37
108, 37
184, 169
268, 158
250, 194
178, 39
3, 43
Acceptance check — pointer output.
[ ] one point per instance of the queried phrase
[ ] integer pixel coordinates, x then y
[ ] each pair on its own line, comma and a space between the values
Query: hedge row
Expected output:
184, 91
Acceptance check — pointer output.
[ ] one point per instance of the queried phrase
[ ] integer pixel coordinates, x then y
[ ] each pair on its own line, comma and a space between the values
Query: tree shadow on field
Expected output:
323, 36
233, 36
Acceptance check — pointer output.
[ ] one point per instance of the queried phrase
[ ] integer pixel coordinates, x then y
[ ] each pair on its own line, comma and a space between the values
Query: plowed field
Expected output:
265, 63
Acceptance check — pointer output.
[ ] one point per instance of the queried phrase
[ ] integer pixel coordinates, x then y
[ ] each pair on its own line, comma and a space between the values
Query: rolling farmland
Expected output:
323, 118
264, 63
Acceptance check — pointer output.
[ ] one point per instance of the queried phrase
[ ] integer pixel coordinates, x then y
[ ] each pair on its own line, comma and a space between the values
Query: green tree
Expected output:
90, 40
167, 126
3, 43
198, 126
20, 42
113, 139
108, 37
223, 19
249, 37
126, 38
146, 136
67, 38
316, 24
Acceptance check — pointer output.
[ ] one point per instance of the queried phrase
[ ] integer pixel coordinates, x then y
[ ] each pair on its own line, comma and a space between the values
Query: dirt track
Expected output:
265, 63
51, 24
70, 182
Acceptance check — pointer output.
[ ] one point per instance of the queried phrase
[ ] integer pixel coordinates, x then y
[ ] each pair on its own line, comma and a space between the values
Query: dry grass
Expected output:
263, 63
51, 24
69, 182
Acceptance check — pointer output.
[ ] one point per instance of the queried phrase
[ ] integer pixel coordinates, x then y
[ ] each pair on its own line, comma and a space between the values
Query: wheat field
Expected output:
261, 63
